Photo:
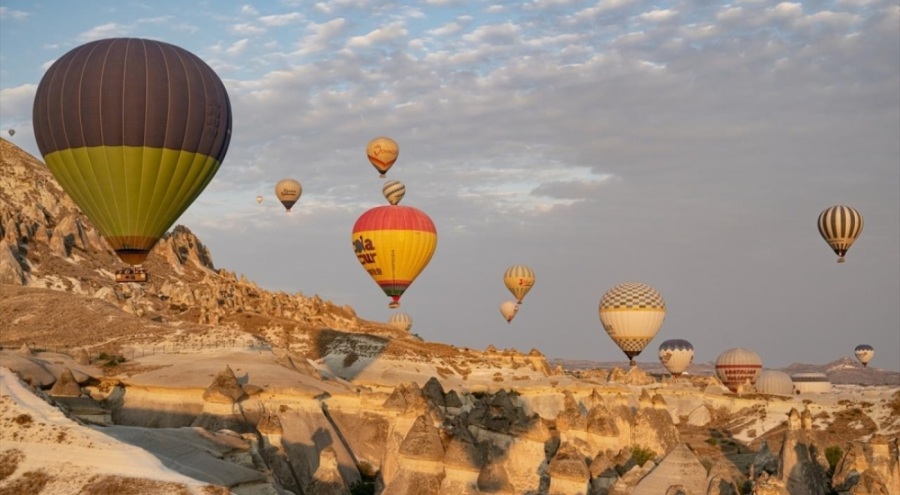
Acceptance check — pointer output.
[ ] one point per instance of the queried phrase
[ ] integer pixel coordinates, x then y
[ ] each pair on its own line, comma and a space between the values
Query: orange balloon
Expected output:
394, 243
382, 153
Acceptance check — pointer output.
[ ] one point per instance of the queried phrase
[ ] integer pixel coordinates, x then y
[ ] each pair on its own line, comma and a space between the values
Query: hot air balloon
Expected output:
382, 153
393, 191
774, 382
402, 321
394, 244
738, 366
12, 132
133, 130
519, 279
632, 313
259, 199
288, 191
675, 355
509, 309
840, 226
864, 353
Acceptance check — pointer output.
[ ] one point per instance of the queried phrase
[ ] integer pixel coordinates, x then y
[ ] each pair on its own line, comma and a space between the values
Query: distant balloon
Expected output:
738, 366
133, 130
519, 279
632, 313
393, 191
402, 321
509, 309
774, 382
259, 199
676, 355
864, 353
12, 132
382, 153
394, 244
840, 226
288, 191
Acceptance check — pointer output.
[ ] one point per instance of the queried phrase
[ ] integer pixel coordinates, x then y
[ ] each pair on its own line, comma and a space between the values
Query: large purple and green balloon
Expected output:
133, 130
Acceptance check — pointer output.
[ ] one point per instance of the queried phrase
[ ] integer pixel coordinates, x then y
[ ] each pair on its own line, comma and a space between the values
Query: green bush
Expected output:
641, 455
833, 454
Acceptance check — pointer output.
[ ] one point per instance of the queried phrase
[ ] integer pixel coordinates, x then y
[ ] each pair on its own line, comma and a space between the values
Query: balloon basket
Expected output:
394, 305
127, 275
840, 260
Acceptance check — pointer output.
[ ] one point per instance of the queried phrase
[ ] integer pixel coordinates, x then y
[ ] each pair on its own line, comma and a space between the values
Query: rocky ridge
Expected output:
294, 394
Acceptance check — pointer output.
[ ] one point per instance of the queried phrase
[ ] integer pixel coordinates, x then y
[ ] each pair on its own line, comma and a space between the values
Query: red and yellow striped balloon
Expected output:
394, 243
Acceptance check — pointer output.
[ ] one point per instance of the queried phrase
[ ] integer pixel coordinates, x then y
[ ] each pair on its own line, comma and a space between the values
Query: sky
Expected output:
689, 146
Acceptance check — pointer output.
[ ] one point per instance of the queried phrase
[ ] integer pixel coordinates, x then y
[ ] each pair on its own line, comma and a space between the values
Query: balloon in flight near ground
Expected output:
393, 191
519, 279
394, 243
402, 321
288, 191
840, 226
738, 366
509, 309
259, 199
864, 353
632, 313
676, 355
382, 153
133, 130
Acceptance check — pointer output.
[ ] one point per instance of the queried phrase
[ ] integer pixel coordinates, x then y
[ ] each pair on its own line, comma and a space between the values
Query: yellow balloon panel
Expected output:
632, 324
394, 258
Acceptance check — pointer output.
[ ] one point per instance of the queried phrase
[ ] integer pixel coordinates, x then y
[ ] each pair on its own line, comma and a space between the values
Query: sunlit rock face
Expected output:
319, 399
800, 470
679, 470
869, 467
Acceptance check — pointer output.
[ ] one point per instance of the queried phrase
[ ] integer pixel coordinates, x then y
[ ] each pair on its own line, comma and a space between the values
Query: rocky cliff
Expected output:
263, 392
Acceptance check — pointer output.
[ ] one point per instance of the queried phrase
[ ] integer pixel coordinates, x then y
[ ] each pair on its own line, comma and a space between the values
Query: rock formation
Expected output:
680, 469
66, 385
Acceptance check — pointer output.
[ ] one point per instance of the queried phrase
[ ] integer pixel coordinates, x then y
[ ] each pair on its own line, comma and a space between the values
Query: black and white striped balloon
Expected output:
840, 225
393, 190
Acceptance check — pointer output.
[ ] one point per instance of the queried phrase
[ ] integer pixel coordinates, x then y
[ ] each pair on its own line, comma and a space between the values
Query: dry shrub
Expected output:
349, 359
116, 485
9, 461
29, 482
23, 419
215, 490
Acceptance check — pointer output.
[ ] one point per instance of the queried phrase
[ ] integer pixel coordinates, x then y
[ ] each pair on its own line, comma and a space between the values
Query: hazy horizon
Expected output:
690, 147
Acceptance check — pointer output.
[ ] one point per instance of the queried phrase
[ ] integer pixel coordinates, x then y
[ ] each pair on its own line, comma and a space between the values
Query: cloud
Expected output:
108, 30
391, 32
321, 36
16, 15
281, 19
238, 47
246, 29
